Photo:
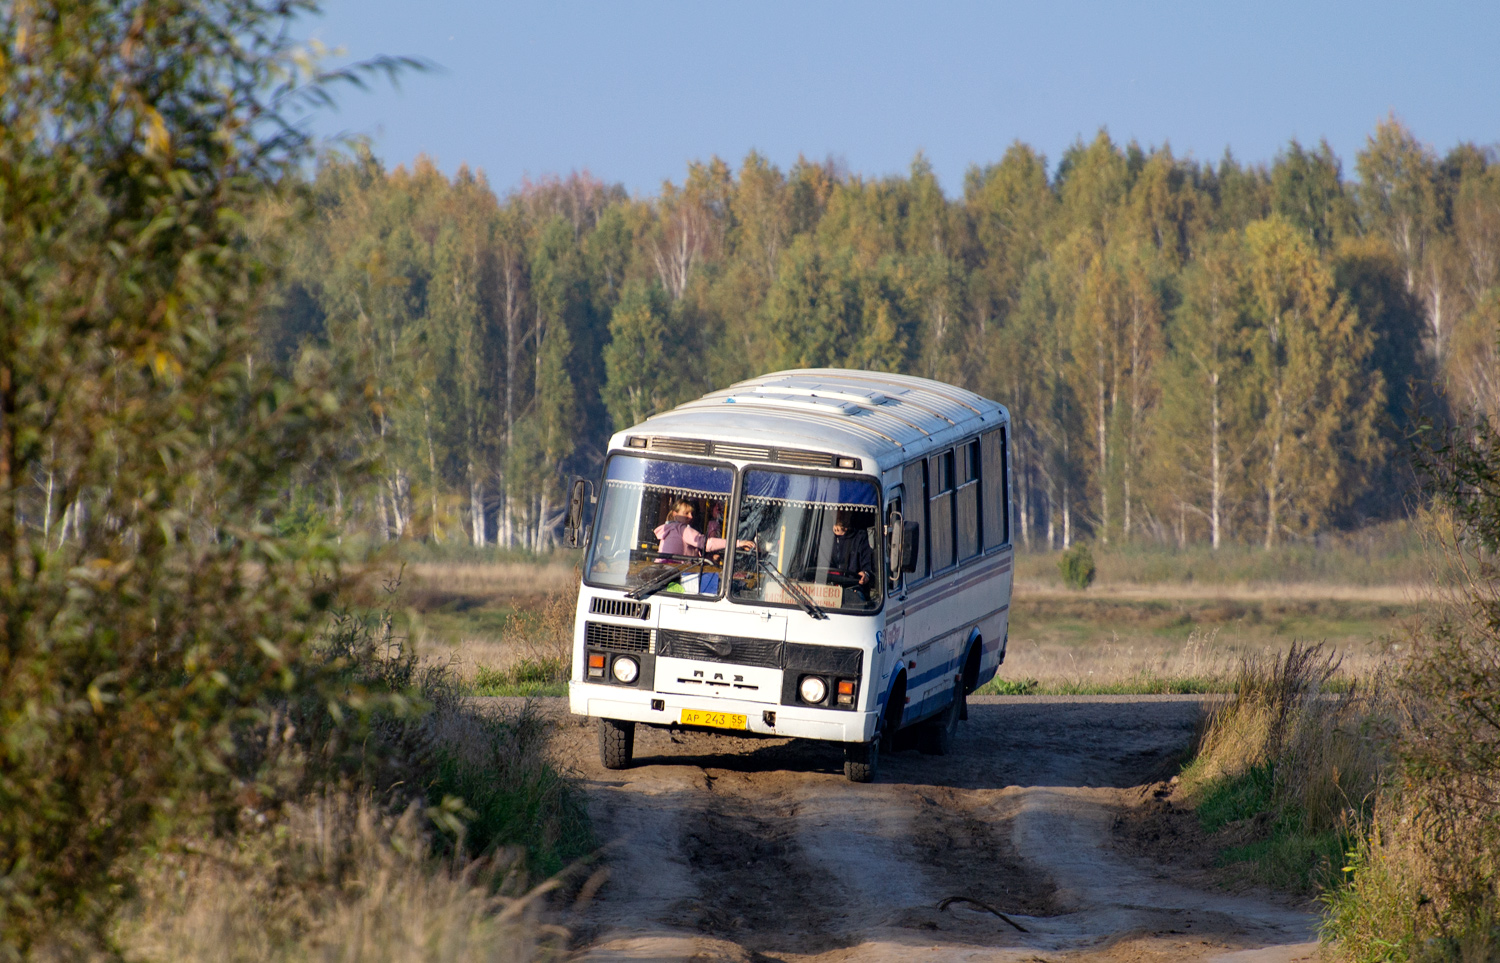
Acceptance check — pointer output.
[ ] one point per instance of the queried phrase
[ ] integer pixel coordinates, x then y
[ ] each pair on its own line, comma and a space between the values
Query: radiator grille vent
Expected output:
741, 451
620, 608
719, 648
810, 459
617, 638
682, 446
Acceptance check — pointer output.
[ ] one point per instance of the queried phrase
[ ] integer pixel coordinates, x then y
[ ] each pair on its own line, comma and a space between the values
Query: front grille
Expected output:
617, 638
682, 446
620, 608
740, 451
719, 648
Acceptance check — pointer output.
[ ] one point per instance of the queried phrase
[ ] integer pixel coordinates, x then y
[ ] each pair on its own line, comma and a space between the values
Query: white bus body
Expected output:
795, 470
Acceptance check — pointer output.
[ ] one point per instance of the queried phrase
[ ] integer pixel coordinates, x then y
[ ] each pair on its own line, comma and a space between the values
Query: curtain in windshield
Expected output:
816, 537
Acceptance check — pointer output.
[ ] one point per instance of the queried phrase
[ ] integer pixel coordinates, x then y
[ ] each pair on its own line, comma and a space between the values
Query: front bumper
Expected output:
801, 722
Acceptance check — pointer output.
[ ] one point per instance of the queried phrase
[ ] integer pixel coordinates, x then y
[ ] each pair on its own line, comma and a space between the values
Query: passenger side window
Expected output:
967, 498
940, 510
995, 509
914, 484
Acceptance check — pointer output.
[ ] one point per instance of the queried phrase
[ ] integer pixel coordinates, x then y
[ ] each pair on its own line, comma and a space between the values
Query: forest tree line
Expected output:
1192, 352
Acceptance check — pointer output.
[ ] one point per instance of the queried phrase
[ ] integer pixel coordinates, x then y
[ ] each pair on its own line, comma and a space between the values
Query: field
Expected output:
1155, 621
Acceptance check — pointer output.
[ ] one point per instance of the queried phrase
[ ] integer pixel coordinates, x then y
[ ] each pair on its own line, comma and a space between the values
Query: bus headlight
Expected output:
813, 690
626, 670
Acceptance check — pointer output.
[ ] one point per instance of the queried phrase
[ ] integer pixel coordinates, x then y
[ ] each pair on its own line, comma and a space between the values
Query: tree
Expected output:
1200, 429
1398, 201
1307, 189
647, 364
1316, 402
136, 145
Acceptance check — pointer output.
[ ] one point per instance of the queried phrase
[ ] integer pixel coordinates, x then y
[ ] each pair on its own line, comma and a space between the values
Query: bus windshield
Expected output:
816, 536
659, 527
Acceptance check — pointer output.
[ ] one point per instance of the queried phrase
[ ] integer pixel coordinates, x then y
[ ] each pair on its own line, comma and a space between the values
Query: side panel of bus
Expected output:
960, 593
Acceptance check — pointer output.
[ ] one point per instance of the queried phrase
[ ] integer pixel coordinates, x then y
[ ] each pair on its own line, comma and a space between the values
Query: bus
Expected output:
820, 554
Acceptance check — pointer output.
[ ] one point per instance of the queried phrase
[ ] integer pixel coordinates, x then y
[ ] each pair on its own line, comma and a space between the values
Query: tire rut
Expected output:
962, 841
756, 885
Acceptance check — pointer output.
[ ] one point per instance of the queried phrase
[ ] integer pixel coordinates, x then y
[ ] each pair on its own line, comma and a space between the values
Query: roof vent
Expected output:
811, 388
682, 446
823, 406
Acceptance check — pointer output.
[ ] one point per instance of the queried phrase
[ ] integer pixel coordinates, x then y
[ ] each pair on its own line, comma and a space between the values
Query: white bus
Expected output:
823, 554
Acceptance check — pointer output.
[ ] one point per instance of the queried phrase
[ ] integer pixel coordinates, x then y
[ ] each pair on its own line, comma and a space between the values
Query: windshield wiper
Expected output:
661, 581
794, 590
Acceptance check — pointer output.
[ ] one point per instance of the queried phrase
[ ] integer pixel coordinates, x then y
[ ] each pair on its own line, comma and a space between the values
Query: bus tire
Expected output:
616, 743
938, 733
862, 759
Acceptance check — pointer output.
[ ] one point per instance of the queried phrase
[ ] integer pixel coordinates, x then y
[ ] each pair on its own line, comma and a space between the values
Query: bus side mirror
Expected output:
574, 534
911, 531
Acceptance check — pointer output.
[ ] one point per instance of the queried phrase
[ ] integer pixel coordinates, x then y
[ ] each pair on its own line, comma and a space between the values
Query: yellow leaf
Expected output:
158, 141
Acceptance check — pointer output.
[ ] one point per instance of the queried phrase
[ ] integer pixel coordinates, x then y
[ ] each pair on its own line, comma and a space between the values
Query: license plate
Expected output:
719, 720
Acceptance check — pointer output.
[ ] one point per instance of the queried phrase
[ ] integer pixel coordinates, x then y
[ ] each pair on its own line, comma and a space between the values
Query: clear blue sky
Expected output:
633, 91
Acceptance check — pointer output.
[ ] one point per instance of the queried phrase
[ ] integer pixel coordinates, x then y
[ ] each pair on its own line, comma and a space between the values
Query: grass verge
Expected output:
426, 829
1142, 684
1287, 769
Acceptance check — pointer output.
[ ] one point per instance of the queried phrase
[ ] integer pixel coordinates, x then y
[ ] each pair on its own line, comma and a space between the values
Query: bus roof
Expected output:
881, 418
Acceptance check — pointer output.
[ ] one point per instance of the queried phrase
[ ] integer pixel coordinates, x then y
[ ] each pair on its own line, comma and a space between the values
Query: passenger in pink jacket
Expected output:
679, 537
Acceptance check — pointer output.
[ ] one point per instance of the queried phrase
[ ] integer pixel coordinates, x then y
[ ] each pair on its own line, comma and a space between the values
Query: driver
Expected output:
851, 550
678, 536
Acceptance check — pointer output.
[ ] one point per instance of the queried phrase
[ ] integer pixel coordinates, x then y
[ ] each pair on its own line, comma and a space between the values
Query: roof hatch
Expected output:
804, 402
813, 388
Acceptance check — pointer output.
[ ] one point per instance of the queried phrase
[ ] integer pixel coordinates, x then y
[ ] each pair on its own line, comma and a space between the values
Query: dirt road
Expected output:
738, 850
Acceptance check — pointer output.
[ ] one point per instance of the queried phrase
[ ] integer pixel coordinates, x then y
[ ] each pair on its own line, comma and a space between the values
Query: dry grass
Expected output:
498, 580
335, 880
1399, 594
1292, 768
1204, 659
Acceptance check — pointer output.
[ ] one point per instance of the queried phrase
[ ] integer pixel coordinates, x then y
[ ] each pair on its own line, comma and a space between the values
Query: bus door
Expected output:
891, 641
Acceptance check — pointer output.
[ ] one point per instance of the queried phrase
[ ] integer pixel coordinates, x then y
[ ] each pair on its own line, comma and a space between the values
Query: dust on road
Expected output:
723, 848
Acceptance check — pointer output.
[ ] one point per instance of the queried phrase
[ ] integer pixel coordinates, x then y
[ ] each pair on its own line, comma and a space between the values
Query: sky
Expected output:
634, 91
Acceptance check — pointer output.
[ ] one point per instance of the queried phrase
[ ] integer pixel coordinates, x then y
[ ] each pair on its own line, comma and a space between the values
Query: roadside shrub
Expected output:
1077, 567
1424, 884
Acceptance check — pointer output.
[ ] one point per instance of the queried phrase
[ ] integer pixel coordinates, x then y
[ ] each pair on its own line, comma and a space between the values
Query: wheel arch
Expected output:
895, 701
973, 658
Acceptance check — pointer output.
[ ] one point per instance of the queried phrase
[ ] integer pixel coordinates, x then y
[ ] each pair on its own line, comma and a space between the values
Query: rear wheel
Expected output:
938, 733
862, 759
616, 743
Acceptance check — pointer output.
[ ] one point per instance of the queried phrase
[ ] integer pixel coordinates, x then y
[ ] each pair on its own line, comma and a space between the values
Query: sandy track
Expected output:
729, 849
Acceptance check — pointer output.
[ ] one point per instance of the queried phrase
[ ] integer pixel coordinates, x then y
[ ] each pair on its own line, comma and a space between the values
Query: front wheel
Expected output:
616, 743
862, 759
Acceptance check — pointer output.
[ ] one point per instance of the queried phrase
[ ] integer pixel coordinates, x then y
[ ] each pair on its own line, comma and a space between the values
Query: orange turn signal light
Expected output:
596, 660
846, 687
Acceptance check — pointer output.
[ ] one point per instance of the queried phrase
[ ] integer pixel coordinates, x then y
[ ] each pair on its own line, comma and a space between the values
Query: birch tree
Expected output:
1316, 404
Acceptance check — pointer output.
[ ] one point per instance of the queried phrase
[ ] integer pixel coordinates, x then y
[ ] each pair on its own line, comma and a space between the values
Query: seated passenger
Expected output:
678, 536
851, 551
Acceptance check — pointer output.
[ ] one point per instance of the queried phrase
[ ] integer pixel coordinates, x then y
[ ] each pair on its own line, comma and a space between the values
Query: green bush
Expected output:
1077, 567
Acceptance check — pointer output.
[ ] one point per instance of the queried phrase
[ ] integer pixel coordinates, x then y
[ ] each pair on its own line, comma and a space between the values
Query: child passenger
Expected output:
679, 537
